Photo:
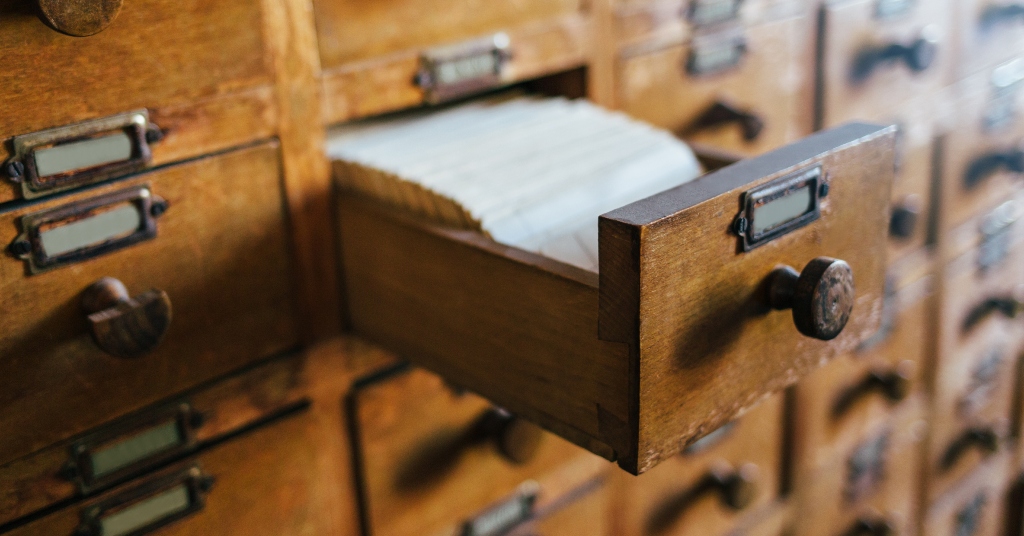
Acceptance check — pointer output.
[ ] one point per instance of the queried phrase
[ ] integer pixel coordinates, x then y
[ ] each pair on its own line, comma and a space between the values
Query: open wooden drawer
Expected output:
676, 335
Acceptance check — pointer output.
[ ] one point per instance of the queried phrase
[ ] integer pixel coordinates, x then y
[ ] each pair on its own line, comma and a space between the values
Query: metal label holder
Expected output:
745, 224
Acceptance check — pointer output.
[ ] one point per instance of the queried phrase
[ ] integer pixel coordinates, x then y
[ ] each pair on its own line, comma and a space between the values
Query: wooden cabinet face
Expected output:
707, 489
266, 481
988, 32
837, 404
975, 507
219, 253
871, 65
757, 101
871, 483
981, 152
200, 68
433, 458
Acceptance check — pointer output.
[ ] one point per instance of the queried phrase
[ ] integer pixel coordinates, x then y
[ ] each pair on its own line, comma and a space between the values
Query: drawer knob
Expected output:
984, 166
821, 296
918, 56
871, 527
123, 326
516, 439
723, 113
984, 439
736, 489
996, 14
904, 218
894, 386
78, 18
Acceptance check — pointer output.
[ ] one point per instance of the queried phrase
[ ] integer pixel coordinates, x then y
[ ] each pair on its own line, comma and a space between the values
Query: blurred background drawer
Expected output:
912, 190
836, 405
432, 456
974, 507
129, 446
263, 482
731, 473
988, 32
875, 56
734, 87
223, 96
208, 236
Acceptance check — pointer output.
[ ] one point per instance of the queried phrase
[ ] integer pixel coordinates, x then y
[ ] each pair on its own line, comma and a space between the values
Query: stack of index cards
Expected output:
530, 172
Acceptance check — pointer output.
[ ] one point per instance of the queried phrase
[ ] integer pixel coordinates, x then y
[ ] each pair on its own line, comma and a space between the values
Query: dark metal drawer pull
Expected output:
984, 439
918, 56
723, 113
516, 439
871, 527
149, 506
996, 14
894, 386
1008, 306
985, 166
736, 489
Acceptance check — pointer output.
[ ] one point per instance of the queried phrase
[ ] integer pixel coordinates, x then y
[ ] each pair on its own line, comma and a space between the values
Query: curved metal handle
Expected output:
871, 527
1008, 306
736, 489
917, 55
894, 386
123, 326
821, 296
986, 165
516, 439
905, 216
78, 18
996, 14
984, 439
724, 113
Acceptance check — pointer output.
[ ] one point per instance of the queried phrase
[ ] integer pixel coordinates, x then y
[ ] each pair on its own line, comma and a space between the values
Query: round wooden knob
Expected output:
516, 439
821, 296
78, 18
123, 326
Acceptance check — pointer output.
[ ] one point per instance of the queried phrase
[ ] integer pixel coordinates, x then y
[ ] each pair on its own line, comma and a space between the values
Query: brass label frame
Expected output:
453, 71
812, 179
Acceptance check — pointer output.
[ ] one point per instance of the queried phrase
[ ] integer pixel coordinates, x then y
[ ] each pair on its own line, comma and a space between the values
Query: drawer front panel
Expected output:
365, 29
220, 97
434, 458
871, 64
988, 32
837, 404
982, 149
975, 507
749, 108
264, 482
218, 261
130, 446
871, 483
678, 497
912, 188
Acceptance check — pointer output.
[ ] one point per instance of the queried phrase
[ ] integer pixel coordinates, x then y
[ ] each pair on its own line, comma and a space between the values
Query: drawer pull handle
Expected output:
871, 527
894, 386
723, 113
123, 326
905, 216
918, 56
78, 18
736, 489
996, 14
516, 439
985, 166
984, 439
821, 296
1008, 306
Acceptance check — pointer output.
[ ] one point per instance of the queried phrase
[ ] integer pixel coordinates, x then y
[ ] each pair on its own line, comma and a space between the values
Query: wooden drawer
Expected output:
871, 64
186, 423
264, 482
988, 32
637, 20
975, 507
915, 169
749, 107
218, 257
981, 152
837, 404
382, 56
432, 457
221, 97
669, 341
973, 404
871, 486
728, 475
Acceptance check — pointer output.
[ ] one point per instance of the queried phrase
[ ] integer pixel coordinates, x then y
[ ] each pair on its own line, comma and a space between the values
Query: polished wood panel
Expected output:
222, 256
